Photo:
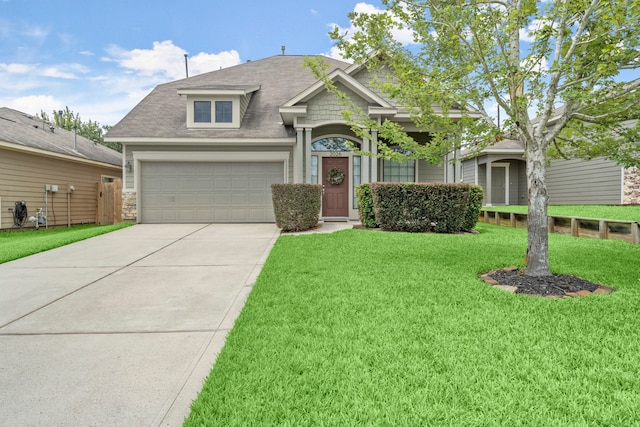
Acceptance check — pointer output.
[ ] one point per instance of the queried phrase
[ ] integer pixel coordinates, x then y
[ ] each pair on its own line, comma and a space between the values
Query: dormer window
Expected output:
224, 112
202, 111
220, 107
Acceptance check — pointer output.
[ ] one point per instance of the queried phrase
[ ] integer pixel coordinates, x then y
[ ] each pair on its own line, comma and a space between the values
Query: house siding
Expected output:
523, 185
244, 103
516, 195
597, 181
23, 177
482, 177
325, 108
430, 173
469, 171
365, 77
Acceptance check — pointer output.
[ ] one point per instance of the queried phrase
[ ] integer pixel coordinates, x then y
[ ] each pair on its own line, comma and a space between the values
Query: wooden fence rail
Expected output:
597, 228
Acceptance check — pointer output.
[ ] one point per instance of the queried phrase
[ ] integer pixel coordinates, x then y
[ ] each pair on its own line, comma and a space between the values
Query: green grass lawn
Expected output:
365, 327
16, 244
626, 213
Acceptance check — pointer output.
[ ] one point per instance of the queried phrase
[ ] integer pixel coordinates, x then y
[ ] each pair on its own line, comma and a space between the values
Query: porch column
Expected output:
364, 162
458, 165
307, 145
299, 149
374, 156
487, 191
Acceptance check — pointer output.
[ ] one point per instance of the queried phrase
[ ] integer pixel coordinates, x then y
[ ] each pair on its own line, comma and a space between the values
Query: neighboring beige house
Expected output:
52, 169
208, 148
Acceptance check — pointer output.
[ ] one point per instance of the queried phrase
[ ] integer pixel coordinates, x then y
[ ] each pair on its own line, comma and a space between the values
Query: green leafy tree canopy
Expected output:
67, 119
554, 67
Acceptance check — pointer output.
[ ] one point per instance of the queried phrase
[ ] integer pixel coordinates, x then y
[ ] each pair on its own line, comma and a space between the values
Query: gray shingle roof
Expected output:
29, 131
162, 113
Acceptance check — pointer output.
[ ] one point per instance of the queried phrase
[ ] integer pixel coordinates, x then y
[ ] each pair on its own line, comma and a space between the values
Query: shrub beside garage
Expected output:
296, 206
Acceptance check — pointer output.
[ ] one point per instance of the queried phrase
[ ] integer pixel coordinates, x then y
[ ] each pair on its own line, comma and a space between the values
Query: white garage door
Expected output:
184, 192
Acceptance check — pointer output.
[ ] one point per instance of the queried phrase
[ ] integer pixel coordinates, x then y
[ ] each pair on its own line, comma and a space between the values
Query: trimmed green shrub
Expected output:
365, 206
473, 207
419, 207
296, 206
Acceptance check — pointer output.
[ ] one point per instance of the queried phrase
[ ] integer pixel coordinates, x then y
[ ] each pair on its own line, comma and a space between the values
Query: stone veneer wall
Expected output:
631, 186
129, 212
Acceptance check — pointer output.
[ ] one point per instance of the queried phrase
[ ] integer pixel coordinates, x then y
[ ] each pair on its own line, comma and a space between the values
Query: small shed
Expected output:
56, 174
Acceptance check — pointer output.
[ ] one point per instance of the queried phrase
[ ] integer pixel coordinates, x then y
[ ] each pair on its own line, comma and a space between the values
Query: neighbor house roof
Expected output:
504, 146
162, 114
22, 131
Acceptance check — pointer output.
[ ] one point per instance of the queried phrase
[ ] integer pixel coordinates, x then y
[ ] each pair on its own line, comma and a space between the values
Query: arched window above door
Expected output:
334, 143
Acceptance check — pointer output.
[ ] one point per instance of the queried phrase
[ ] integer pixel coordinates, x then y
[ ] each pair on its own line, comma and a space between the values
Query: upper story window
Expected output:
217, 107
224, 112
202, 111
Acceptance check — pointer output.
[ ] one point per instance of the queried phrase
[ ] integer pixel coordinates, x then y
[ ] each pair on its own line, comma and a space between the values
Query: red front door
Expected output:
335, 199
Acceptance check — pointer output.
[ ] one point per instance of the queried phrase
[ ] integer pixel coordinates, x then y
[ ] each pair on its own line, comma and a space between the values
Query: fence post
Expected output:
635, 232
603, 230
574, 227
551, 222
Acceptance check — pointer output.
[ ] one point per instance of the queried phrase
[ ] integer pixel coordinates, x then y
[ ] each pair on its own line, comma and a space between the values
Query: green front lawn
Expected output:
625, 213
371, 328
16, 244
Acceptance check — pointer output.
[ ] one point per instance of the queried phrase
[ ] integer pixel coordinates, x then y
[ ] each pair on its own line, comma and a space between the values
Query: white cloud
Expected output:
64, 71
166, 60
60, 71
33, 104
528, 34
17, 68
35, 32
205, 62
402, 35
57, 73
538, 65
86, 53
336, 53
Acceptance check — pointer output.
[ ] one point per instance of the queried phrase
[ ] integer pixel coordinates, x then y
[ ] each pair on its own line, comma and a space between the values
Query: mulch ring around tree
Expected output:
512, 279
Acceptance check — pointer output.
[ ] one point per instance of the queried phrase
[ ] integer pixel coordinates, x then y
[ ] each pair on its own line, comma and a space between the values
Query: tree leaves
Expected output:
68, 120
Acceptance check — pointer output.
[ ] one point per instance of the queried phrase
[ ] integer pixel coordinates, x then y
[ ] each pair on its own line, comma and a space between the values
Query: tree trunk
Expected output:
537, 225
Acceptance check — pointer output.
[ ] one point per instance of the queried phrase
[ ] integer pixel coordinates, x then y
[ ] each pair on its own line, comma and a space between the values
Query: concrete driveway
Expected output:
123, 328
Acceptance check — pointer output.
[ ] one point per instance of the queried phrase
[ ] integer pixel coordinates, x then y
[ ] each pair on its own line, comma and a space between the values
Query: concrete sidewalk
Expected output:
123, 328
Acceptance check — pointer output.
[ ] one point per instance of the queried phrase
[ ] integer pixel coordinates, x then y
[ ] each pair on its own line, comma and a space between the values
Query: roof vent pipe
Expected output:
75, 138
283, 47
186, 64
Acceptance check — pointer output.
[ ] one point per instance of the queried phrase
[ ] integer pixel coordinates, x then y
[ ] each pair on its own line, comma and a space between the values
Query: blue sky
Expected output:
100, 58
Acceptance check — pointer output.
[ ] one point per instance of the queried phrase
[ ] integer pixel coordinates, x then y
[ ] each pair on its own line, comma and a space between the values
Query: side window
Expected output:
224, 112
202, 111
399, 171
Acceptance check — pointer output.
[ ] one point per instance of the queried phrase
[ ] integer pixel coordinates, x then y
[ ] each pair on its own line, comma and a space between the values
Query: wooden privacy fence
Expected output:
597, 228
109, 202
